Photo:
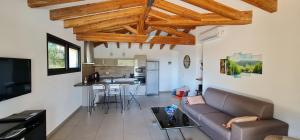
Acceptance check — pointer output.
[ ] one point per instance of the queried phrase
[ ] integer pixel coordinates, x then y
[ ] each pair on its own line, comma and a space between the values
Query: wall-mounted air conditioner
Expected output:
206, 34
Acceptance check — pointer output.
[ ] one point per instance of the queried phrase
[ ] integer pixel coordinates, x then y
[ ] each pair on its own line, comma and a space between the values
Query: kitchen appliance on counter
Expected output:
152, 80
140, 68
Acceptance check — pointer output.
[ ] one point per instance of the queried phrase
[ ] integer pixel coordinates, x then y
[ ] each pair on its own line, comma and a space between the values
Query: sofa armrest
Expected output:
258, 130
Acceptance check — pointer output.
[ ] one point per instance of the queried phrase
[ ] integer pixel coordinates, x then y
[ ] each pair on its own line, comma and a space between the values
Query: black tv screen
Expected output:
15, 77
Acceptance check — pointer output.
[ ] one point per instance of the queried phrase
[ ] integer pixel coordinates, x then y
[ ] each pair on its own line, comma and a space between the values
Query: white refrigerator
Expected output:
152, 78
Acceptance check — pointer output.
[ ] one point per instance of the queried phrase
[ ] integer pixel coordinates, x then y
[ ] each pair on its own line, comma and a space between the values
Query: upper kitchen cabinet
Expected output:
140, 60
126, 62
113, 62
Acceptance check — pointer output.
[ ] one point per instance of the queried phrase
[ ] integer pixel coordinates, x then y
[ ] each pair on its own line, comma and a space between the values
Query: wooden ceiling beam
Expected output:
118, 44
110, 37
159, 15
105, 44
129, 45
185, 31
130, 29
141, 24
163, 45
267, 5
210, 19
179, 10
81, 21
96, 44
172, 31
156, 34
173, 40
42, 3
141, 45
191, 23
216, 7
105, 24
93, 8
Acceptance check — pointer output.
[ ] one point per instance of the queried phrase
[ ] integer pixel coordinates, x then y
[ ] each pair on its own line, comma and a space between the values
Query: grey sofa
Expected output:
221, 106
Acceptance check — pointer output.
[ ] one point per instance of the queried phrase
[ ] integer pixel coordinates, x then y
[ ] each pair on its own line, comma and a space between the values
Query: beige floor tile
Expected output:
133, 124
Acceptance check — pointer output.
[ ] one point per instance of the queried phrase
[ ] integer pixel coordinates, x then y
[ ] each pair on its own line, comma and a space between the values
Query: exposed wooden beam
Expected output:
172, 31
163, 45
159, 15
216, 7
105, 24
129, 45
118, 44
156, 34
173, 40
172, 47
144, 16
185, 31
110, 37
96, 44
42, 3
129, 28
267, 5
81, 21
105, 44
88, 9
213, 20
141, 45
179, 10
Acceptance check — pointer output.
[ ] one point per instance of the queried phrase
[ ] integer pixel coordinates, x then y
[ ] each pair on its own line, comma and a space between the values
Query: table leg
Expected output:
88, 99
167, 134
124, 95
181, 134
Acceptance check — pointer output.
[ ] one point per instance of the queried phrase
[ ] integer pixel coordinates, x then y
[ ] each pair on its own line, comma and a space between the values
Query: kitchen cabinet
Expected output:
140, 60
113, 62
125, 62
110, 62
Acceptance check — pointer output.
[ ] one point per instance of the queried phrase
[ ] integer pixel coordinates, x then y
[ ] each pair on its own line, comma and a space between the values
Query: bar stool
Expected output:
132, 92
99, 89
115, 90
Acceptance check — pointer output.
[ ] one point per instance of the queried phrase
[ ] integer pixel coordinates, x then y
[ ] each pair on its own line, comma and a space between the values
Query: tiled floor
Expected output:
134, 124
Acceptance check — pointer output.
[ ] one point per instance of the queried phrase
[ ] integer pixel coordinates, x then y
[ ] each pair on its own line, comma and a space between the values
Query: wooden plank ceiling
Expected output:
143, 21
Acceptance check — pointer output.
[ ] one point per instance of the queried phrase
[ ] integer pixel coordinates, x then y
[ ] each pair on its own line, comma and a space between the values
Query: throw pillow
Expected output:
239, 120
193, 100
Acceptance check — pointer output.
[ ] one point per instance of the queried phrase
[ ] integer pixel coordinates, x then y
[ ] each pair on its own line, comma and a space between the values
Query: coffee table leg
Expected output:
168, 134
181, 134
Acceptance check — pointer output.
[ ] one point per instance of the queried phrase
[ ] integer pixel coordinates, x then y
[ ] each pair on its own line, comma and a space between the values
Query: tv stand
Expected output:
27, 125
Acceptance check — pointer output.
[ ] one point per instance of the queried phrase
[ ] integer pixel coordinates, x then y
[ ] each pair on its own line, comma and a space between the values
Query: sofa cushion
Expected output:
215, 97
196, 111
215, 122
237, 105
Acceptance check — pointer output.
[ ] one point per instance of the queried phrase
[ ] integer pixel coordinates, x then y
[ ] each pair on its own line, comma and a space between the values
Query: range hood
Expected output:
88, 53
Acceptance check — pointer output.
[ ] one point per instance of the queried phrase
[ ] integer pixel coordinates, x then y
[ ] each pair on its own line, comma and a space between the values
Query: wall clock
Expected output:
187, 61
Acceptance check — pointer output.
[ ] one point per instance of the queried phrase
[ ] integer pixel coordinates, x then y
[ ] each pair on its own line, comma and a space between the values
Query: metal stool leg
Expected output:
116, 102
107, 104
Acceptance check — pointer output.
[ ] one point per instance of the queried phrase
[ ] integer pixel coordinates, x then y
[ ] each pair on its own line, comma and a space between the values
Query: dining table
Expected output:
124, 83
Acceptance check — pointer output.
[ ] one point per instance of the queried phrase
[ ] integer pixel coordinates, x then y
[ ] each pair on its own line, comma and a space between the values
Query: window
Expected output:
63, 56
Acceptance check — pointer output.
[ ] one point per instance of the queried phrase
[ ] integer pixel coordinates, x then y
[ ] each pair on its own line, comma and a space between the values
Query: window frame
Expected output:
66, 45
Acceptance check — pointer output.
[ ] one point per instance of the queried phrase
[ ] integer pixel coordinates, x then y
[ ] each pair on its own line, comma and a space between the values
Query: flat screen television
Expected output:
15, 77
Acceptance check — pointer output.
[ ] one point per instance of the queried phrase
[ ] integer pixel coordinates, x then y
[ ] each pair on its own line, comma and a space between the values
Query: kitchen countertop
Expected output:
125, 81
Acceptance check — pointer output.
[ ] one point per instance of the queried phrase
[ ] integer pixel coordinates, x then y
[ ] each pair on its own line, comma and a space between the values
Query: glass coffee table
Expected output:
177, 121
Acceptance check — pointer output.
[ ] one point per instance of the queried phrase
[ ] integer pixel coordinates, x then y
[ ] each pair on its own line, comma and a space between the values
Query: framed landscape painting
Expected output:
240, 64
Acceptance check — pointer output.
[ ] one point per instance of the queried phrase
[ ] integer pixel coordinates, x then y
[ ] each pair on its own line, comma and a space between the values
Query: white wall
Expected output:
168, 73
187, 77
23, 35
276, 37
